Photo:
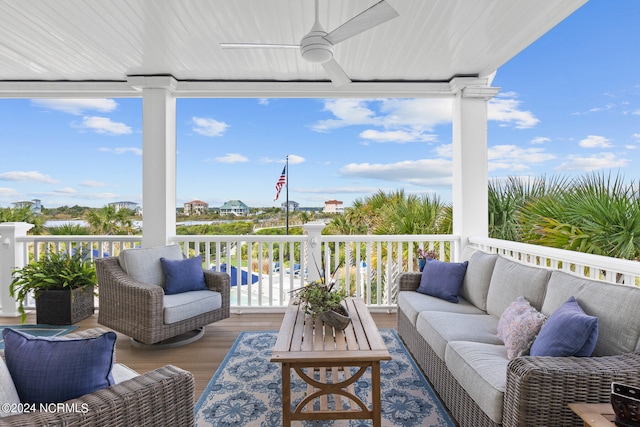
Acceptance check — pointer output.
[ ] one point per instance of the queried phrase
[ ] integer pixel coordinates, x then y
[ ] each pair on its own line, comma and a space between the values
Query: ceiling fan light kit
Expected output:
317, 45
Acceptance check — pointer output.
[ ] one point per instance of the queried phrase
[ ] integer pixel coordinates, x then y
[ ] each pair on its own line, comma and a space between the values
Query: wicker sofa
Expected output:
457, 347
162, 397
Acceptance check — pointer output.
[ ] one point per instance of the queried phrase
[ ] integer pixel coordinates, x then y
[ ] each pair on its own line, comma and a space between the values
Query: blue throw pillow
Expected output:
183, 275
56, 369
442, 279
567, 332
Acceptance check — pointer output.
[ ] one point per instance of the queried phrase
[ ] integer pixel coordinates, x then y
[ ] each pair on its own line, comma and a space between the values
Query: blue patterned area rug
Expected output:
246, 389
39, 330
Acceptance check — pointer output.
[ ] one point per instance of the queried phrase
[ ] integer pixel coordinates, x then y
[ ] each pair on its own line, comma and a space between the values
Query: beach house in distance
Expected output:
234, 207
333, 206
196, 207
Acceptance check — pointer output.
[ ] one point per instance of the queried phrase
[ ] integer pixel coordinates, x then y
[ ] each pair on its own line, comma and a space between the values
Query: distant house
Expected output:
196, 207
35, 205
234, 207
333, 206
293, 206
126, 205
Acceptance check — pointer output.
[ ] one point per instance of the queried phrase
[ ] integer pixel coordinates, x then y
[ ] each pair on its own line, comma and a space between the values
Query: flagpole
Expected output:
287, 194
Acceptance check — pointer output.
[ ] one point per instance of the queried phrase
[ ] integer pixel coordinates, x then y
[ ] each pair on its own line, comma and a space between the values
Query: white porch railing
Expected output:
266, 269
607, 269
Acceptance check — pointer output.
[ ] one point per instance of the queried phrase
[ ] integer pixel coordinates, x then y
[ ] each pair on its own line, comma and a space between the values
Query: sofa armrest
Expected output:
409, 281
539, 388
163, 397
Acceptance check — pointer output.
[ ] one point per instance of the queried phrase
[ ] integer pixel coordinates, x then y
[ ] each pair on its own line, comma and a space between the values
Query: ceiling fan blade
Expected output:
377, 14
258, 46
336, 73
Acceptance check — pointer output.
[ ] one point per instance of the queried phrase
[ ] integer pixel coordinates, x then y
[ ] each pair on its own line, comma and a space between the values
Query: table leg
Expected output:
286, 395
375, 394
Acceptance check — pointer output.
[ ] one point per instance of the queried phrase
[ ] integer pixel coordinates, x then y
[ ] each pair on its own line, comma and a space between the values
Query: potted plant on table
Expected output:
62, 285
324, 301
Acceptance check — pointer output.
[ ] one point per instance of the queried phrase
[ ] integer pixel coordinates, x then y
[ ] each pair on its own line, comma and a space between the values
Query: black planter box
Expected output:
64, 307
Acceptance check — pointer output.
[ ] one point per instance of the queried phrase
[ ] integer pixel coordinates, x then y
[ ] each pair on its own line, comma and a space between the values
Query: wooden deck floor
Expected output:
203, 357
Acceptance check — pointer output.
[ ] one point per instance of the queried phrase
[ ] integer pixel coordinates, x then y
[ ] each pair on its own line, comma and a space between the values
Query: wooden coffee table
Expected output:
322, 356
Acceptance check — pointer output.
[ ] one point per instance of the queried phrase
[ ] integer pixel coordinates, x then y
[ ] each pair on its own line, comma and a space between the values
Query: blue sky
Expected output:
569, 105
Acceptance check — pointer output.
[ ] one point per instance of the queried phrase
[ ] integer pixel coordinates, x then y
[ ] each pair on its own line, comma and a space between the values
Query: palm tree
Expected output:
109, 221
597, 214
23, 214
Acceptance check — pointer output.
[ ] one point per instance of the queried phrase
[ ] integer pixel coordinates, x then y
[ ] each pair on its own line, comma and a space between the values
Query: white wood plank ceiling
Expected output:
46, 44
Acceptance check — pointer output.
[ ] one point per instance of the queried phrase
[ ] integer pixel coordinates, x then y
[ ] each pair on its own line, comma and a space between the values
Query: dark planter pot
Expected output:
334, 319
64, 307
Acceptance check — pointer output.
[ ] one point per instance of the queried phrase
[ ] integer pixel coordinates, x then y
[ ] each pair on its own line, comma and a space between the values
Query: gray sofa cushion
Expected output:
481, 369
440, 328
475, 285
411, 303
182, 306
511, 280
143, 264
615, 306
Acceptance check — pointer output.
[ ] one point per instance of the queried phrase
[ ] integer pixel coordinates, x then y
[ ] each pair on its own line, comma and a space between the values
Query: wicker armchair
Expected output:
162, 397
136, 309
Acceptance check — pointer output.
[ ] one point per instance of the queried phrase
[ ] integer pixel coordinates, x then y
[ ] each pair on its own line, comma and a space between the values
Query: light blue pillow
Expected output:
442, 279
183, 275
56, 369
567, 332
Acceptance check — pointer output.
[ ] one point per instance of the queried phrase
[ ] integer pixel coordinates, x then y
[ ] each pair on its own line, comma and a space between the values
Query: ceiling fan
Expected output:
317, 45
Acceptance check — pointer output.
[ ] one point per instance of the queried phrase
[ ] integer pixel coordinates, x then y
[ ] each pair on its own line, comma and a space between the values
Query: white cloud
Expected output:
263, 101
636, 113
540, 140
208, 127
93, 184
419, 172
121, 150
103, 125
342, 190
232, 158
66, 191
27, 177
637, 136
77, 106
507, 110
347, 112
399, 136
295, 159
422, 114
8, 192
595, 141
590, 163
516, 158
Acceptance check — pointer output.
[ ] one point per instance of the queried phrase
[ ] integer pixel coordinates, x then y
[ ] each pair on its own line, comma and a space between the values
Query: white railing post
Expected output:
314, 248
11, 256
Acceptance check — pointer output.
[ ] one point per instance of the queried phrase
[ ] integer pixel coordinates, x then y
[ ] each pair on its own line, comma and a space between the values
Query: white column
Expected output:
158, 158
11, 257
470, 159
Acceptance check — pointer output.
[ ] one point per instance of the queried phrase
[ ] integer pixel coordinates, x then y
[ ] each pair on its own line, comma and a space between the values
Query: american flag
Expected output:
281, 181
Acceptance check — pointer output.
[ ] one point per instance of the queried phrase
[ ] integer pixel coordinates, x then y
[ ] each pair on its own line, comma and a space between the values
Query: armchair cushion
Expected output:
183, 275
56, 369
143, 264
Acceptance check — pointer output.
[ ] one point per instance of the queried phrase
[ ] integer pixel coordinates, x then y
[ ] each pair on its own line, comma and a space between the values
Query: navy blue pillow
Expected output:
56, 369
442, 279
183, 275
567, 332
